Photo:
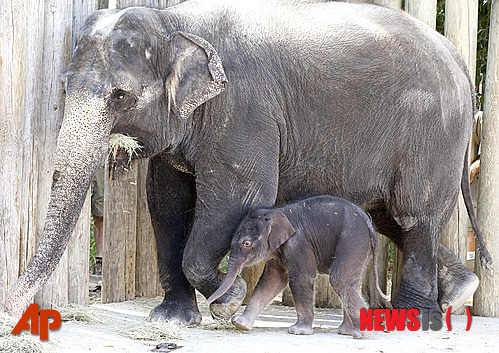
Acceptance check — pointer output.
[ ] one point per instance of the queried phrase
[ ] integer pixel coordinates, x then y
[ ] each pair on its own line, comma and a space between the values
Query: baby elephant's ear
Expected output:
280, 229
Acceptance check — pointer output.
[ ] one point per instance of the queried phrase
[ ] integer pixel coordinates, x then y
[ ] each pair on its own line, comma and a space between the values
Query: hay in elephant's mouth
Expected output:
128, 144
24, 342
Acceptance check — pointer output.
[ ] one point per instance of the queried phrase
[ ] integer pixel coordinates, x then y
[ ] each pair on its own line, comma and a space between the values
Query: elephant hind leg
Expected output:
418, 280
456, 283
346, 276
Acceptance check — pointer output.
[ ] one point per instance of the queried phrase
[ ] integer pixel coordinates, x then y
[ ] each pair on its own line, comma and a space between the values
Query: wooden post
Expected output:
21, 59
461, 23
394, 4
251, 275
119, 243
36, 45
56, 54
424, 10
461, 26
398, 257
146, 266
486, 300
62, 18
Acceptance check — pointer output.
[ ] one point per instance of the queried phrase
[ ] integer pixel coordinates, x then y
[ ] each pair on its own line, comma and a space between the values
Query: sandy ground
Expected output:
270, 334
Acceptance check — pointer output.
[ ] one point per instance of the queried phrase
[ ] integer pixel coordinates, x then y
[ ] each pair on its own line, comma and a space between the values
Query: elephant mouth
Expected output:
122, 149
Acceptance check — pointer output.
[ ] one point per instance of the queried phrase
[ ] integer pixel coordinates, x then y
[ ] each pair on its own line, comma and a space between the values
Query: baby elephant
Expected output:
325, 234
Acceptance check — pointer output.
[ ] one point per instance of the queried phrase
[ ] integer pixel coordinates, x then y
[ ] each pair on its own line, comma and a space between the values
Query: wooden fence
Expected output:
31, 106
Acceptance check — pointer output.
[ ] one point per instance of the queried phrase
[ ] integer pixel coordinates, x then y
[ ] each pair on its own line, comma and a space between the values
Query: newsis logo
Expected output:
400, 319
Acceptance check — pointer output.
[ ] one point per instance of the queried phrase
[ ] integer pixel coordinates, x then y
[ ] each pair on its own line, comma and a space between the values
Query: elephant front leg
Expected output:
208, 242
273, 280
171, 200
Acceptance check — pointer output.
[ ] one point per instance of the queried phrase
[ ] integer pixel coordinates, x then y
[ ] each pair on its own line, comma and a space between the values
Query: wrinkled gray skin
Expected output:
322, 234
246, 104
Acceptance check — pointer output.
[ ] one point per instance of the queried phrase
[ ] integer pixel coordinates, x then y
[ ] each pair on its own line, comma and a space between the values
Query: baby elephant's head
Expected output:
258, 236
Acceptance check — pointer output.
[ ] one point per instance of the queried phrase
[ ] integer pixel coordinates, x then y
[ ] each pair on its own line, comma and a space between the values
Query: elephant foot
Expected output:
300, 329
459, 294
226, 306
242, 323
348, 330
183, 313
408, 301
456, 283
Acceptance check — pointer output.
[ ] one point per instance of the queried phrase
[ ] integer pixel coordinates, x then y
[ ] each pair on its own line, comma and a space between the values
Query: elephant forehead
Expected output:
105, 24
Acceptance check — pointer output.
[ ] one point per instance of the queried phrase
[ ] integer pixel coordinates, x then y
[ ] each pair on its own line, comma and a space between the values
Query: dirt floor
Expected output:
120, 321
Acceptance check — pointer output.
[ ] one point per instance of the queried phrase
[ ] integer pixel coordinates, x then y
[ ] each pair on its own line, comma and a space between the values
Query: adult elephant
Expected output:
251, 104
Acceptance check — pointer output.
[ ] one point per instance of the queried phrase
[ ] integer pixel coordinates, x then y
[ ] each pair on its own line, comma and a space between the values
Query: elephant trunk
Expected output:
233, 269
81, 148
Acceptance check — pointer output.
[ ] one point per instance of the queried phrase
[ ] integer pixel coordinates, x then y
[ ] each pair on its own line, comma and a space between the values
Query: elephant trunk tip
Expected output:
214, 297
227, 282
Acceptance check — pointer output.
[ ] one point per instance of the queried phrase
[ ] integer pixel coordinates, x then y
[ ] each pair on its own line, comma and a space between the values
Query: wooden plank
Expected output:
461, 25
119, 245
251, 276
486, 300
424, 10
78, 258
394, 4
146, 267
325, 296
398, 256
20, 55
69, 283
56, 53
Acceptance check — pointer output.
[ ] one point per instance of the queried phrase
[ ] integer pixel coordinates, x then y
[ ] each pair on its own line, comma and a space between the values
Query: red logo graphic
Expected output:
39, 321
400, 319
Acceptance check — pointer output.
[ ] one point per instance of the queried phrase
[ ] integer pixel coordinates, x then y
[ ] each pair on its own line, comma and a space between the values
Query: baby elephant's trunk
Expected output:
232, 271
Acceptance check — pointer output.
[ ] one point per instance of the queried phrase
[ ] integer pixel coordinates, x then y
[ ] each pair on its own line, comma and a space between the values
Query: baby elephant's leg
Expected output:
301, 284
346, 276
273, 280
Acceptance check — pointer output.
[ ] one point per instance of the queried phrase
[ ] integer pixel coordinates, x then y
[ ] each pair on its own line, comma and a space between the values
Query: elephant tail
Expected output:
374, 249
483, 253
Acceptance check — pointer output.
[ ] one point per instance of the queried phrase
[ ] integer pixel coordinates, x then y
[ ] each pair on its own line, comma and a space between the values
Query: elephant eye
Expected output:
247, 243
122, 100
119, 96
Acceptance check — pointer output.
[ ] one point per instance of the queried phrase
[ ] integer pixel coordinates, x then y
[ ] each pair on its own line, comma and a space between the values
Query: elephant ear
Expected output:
280, 229
196, 76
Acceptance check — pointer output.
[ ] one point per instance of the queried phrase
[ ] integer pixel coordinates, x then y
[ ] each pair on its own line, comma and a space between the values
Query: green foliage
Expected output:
440, 16
93, 253
482, 47
224, 263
